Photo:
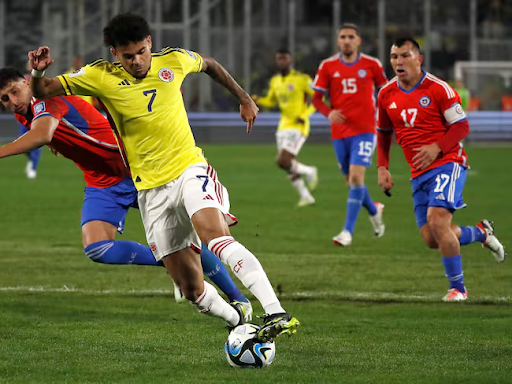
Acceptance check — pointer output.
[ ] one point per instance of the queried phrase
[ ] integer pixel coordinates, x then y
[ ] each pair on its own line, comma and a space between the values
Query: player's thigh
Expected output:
166, 223
290, 140
94, 231
184, 266
439, 219
342, 152
106, 205
361, 149
207, 202
285, 159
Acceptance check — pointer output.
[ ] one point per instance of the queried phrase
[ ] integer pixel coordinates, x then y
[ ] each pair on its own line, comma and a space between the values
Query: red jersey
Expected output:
84, 136
351, 89
421, 116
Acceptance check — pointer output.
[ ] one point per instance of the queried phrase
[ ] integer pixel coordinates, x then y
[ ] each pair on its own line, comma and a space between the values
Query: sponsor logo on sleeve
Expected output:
39, 108
458, 109
78, 72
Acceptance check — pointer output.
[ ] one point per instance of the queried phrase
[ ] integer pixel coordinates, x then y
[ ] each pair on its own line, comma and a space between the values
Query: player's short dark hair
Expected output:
283, 51
407, 39
124, 29
350, 26
9, 74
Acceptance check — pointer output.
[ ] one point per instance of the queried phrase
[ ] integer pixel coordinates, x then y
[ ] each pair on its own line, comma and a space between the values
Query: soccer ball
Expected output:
244, 350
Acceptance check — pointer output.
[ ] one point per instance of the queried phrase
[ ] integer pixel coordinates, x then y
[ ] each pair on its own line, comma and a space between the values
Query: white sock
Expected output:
300, 186
211, 303
248, 270
301, 169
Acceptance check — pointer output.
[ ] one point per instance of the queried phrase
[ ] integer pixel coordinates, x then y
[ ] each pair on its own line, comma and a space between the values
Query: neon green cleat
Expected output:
312, 180
277, 324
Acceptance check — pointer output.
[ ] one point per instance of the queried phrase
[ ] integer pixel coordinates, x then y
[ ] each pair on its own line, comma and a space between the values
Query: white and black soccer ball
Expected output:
244, 350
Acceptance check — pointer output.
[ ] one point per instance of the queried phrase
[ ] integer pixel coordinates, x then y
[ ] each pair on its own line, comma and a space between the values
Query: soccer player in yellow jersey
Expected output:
291, 91
180, 197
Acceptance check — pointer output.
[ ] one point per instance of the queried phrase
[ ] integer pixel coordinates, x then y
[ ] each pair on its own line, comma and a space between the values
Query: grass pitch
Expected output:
370, 313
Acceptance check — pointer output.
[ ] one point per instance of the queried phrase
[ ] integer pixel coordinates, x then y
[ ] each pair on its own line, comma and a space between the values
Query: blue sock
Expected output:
453, 269
354, 202
121, 252
368, 202
471, 235
219, 275
34, 157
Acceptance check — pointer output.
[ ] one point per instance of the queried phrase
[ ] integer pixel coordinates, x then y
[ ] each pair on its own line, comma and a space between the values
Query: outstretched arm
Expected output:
248, 108
40, 134
43, 87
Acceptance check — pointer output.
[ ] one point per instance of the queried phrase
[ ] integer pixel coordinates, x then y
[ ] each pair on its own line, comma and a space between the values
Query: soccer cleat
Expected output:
245, 308
178, 295
277, 324
305, 201
30, 171
344, 238
491, 241
455, 295
376, 220
312, 179
244, 311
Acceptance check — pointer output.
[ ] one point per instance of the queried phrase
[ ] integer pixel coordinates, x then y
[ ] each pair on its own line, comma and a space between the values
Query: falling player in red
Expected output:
350, 79
429, 122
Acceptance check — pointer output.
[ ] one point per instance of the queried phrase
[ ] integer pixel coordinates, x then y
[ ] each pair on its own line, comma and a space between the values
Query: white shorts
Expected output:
167, 210
290, 140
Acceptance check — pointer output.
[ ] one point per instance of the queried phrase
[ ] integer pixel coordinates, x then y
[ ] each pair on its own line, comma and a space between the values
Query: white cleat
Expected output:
455, 295
491, 241
344, 238
30, 171
312, 179
305, 201
178, 295
376, 220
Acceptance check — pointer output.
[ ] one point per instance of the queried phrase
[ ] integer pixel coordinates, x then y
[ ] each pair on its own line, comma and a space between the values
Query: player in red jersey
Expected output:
429, 122
350, 79
75, 129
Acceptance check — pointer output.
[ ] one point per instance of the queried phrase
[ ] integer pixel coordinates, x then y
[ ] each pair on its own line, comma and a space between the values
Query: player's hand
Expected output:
336, 117
40, 59
426, 155
385, 179
248, 111
54, 151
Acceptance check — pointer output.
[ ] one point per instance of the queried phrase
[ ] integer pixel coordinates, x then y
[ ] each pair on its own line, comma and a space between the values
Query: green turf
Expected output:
370, 313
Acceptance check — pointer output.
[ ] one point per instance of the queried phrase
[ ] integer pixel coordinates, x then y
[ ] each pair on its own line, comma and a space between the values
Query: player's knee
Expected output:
356, 178
438, 225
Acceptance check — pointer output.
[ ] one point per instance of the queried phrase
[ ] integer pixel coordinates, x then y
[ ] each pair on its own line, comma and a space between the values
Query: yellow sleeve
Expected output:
191, 62
270, 99
85, 81
310, 92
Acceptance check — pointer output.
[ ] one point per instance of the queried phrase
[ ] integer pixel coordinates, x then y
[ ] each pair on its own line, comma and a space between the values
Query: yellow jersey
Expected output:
148, 114
89, 99
290, 93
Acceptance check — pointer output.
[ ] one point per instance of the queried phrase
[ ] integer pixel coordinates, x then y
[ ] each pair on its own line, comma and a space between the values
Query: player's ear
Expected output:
420, 58
149, 41
114, 52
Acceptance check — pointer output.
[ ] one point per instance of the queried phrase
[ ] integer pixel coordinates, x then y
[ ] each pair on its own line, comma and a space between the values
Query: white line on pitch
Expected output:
376, 296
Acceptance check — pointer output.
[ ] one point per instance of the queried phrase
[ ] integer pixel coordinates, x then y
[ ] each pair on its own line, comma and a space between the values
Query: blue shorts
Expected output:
357, 150
439, 187
109, 204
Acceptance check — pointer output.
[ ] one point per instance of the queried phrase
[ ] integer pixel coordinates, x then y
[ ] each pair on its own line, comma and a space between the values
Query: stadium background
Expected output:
370, 313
